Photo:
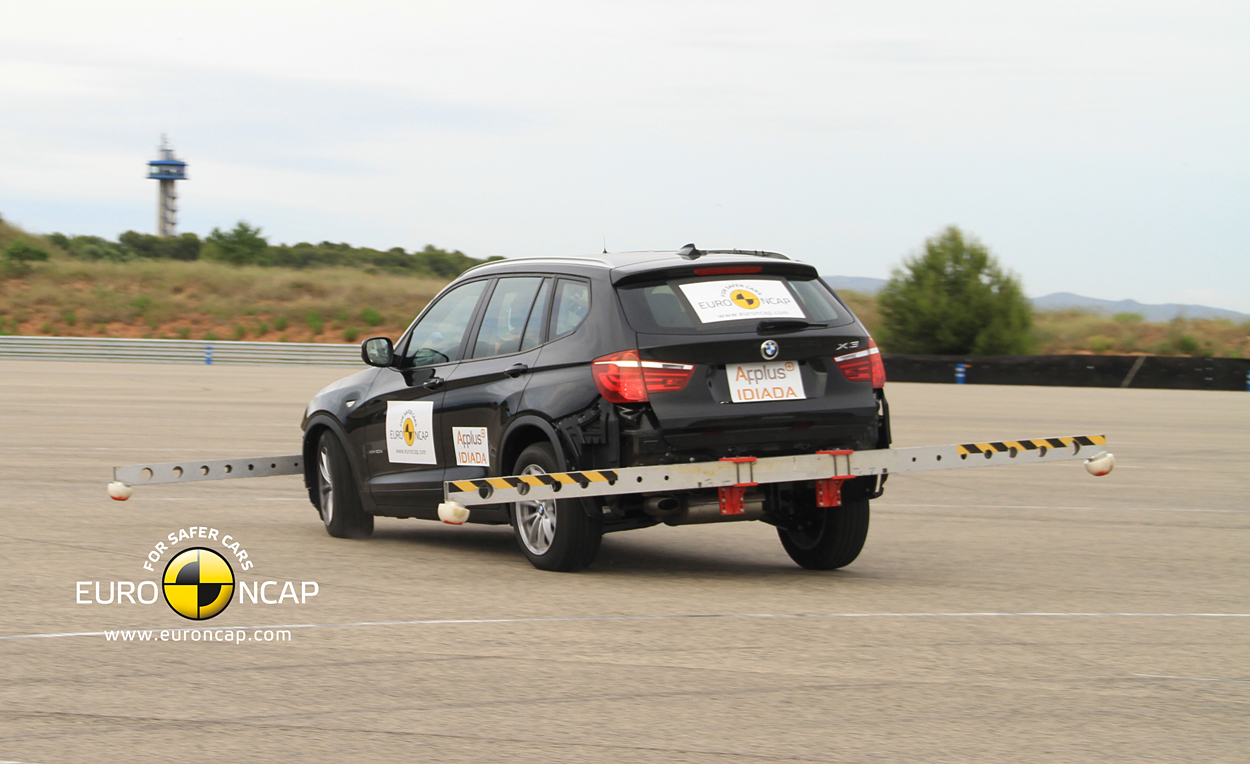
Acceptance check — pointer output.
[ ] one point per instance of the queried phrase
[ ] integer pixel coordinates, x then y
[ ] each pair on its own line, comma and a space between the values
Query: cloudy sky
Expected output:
1097, 147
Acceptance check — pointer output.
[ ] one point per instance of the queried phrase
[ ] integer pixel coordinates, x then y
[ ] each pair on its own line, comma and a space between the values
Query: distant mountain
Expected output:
1153, 313
1067, 301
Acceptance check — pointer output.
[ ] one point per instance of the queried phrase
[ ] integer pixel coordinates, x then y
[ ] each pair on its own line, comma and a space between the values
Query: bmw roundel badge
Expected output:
769, 349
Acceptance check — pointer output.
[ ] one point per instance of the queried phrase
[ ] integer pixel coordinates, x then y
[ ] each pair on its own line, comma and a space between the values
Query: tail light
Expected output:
863, 366
622, 378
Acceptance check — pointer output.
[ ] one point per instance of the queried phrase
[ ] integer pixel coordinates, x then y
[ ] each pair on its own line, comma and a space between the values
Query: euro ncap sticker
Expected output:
410, 432
738, 300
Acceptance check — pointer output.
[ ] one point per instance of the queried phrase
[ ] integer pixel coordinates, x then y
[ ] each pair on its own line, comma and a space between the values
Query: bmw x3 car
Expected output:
533, 366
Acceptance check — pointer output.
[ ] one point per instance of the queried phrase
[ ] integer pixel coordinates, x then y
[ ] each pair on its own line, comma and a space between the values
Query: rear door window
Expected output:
505, 316
718, 305
534, 329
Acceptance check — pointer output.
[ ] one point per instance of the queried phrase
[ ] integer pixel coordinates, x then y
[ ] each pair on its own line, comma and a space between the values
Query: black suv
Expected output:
530, 366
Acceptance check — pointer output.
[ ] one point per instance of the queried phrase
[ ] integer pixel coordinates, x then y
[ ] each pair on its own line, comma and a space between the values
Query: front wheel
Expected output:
337, 498
829, 537
554, 535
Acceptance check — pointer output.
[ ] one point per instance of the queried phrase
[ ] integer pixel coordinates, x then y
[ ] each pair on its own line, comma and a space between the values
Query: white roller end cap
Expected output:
1100, 465
120, 491
452, 513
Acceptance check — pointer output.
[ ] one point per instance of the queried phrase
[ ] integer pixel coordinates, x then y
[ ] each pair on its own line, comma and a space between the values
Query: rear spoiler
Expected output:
712, 265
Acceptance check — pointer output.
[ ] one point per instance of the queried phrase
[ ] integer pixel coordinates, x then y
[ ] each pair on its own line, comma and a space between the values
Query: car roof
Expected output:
631, 262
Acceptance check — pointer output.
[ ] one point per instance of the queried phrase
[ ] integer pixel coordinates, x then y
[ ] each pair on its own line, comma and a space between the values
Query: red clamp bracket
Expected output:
731, 496
829, 490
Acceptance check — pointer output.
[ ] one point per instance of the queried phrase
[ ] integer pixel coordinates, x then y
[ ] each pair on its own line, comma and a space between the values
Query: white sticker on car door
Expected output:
410, 432
755, 382
738, 300
471, 447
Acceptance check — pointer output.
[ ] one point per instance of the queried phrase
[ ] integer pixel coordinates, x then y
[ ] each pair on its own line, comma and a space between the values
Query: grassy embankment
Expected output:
212, 300
204, 300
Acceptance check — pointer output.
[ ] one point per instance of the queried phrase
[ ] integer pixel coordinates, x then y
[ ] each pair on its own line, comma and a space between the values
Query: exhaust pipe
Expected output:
661, 506
693, 510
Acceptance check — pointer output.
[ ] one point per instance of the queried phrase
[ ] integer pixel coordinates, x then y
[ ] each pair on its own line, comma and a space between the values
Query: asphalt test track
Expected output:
1002, 614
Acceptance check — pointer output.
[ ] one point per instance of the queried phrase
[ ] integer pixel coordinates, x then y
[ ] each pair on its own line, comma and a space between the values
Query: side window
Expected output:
504, 319
436, 337
571, 306
534, 329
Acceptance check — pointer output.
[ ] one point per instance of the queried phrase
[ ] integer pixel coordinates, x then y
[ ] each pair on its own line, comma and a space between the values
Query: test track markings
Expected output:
1189, 678
675, 617
1051, 506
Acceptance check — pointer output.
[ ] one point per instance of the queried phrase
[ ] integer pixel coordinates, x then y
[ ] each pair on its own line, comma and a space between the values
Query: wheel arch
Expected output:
524, 432
317, 424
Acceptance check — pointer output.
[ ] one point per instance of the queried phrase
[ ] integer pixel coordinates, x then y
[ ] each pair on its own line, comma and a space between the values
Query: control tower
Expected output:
168, 170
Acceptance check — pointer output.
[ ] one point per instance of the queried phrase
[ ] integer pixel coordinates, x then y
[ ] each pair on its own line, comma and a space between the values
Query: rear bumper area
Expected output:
647, 447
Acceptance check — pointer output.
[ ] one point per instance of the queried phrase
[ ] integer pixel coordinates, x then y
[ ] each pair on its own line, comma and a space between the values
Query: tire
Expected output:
553, 535
338, 500
832, 539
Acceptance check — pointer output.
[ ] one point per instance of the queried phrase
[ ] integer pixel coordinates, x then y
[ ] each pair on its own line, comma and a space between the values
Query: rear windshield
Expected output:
728, 304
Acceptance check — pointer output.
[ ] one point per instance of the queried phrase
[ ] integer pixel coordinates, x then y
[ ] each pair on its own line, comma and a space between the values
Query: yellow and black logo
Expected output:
410, 430
744, 299
199, 583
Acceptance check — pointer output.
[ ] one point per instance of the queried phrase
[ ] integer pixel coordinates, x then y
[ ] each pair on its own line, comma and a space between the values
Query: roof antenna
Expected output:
605, 245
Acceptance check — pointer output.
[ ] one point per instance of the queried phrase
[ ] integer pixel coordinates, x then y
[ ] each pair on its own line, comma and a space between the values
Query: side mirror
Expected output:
377, 351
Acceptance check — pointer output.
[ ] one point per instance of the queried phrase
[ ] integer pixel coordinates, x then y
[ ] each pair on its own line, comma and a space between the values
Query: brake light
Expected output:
623, 378
732, 271
863, 366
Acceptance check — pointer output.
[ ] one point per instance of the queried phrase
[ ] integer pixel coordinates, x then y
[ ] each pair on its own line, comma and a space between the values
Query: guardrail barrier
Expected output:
1050, 370
179, 351
1160, 372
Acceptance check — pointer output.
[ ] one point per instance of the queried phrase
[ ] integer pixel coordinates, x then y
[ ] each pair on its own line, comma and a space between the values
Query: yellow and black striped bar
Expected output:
1030, 445
551, 479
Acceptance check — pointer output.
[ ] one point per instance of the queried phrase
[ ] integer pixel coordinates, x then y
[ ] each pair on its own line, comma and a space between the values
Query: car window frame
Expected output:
474, 320
544, 318
549, 326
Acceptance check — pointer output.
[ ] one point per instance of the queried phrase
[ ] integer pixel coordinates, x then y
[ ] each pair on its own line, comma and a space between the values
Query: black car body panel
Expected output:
535, 384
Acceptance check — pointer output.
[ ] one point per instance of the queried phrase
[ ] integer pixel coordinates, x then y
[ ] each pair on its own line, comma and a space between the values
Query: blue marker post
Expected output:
960, 373
208, 355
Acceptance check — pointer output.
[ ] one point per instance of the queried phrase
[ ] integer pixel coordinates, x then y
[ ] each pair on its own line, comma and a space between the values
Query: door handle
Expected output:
433, 383
516, 370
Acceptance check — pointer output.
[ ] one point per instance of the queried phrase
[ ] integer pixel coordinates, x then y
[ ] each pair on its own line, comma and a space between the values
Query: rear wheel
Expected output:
828, 537
554, 535
337, 497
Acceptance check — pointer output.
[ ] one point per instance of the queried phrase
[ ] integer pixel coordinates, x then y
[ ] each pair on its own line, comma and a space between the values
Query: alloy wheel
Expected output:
536, 519
326, 486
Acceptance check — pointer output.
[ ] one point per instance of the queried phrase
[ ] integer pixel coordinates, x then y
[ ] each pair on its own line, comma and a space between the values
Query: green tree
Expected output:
242, 246
184, 247
954, 299
23, 251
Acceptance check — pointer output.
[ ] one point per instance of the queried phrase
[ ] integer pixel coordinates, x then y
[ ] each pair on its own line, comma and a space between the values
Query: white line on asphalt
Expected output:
1089, 509
1189, 678
674, 617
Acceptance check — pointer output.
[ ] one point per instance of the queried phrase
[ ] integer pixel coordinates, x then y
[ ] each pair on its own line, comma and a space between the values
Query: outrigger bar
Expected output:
730, 476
